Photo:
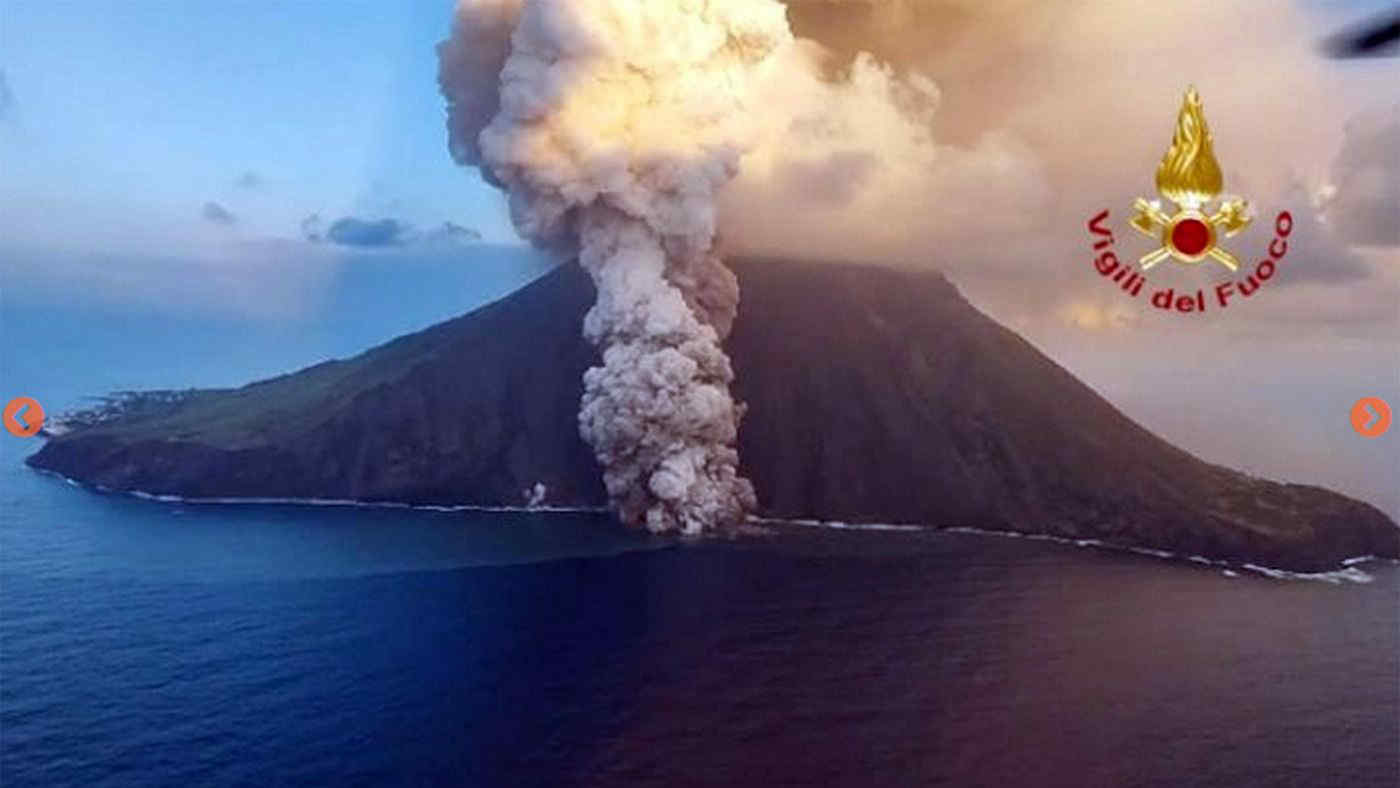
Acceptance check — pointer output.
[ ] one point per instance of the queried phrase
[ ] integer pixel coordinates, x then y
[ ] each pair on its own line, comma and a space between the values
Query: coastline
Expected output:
1346, 573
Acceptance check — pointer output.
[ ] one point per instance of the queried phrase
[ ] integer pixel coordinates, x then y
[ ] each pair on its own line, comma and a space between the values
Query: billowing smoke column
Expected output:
612, 124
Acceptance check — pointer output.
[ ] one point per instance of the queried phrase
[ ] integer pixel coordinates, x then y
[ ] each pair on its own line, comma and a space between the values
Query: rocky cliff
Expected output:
873, 395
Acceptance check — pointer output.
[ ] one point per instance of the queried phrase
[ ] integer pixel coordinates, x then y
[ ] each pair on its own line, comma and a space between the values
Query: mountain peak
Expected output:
874, 395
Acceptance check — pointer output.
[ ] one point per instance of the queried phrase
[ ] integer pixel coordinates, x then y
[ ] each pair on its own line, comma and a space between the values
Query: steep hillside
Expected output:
873, 395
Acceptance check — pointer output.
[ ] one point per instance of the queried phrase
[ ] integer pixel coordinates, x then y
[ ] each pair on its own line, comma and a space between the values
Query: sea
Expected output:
170, 643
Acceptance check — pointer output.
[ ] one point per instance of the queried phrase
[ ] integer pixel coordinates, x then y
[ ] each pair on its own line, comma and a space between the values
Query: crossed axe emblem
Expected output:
1189, 235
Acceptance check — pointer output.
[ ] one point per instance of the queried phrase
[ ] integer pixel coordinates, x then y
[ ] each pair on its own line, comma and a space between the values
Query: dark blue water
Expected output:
145, 643
148, 643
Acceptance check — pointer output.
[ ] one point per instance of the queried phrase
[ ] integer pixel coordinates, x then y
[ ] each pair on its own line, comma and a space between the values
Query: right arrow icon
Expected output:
1370, 417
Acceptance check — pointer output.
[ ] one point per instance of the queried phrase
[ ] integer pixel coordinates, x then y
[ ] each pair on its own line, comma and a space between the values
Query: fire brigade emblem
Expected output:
1189, 176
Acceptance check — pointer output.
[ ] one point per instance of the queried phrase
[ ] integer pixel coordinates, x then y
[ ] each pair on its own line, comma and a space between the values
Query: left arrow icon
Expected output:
24, 417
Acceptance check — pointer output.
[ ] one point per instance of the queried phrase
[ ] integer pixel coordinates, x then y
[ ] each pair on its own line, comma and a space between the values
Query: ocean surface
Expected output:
163, 643
150, 643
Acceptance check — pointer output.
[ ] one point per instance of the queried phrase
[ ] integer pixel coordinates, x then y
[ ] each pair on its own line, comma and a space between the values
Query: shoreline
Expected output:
1348, 572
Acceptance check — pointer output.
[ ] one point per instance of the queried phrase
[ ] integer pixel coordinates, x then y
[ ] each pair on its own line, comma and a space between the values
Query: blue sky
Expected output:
128, 117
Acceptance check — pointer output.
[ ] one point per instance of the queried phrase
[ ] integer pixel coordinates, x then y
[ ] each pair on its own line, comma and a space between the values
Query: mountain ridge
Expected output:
873, 395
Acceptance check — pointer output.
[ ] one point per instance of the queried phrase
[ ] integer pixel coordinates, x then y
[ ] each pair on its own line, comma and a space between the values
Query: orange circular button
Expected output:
1370, 417
24, 417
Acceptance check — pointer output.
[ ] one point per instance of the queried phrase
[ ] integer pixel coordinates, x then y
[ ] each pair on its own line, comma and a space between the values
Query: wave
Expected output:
348, 502
1349, 573
839, 525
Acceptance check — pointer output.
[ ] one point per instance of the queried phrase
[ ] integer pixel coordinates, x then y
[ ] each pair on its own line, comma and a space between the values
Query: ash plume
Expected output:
612, 125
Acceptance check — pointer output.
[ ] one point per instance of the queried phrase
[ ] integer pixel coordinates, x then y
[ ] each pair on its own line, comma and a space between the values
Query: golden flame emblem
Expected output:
1189, 176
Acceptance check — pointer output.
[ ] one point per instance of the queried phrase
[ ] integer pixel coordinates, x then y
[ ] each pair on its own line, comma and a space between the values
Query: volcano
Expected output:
873, 396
